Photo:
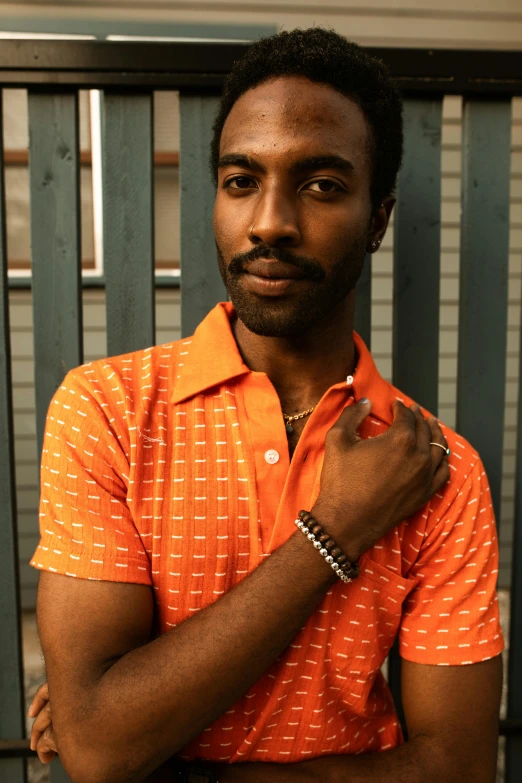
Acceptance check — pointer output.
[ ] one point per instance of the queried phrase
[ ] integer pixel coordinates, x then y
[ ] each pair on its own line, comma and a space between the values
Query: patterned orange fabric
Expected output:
169, 467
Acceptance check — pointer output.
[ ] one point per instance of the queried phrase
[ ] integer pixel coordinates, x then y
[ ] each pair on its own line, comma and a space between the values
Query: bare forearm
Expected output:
417, 760
155, 699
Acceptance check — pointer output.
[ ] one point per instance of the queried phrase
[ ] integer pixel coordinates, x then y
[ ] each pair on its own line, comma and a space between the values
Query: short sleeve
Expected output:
86, 527
452, 616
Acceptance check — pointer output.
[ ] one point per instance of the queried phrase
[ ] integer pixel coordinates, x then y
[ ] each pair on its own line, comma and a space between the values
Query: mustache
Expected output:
309, 267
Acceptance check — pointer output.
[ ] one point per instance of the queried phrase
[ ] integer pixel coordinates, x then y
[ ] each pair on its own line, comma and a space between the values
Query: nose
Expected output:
275, 221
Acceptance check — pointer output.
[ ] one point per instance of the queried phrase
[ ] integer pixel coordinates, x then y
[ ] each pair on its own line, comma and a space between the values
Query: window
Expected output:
166, 144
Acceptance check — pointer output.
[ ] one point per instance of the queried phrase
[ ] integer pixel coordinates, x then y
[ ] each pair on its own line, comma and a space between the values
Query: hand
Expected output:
42, 737
369, 486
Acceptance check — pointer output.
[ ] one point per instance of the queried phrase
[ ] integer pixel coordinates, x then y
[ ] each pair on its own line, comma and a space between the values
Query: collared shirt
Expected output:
170, 467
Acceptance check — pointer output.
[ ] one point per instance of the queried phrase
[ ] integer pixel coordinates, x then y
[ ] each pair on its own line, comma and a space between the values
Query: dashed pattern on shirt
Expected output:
141, 483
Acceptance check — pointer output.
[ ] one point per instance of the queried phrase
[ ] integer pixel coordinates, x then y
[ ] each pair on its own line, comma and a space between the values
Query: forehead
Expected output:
292, 113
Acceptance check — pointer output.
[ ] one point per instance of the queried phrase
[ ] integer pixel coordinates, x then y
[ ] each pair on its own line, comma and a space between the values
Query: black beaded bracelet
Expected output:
326, 546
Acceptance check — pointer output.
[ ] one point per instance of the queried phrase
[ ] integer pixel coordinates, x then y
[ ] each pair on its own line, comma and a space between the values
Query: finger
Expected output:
437, 436
46, 752
35, 739
43, 719
403, 419
441, 476
49, 739
42, 722
46, 758
40, 699
353, 416
46, 747
422, 429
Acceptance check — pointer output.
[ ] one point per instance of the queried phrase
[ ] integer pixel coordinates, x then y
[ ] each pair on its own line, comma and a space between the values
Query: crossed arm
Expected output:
123, 705
452, 718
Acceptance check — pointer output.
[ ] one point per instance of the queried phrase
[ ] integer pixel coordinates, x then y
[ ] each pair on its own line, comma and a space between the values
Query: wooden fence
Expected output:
127, 73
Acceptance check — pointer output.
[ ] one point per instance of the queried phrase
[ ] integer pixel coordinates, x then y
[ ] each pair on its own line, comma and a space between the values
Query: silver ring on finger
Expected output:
445, 449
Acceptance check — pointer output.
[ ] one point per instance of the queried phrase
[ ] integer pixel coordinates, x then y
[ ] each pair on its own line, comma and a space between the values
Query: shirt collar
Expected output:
212, 358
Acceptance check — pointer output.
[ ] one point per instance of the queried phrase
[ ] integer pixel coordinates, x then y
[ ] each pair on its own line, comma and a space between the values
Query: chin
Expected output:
268, 327
285, 318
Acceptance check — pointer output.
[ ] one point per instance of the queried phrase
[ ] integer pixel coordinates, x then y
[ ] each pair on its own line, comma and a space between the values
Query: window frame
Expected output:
107, 30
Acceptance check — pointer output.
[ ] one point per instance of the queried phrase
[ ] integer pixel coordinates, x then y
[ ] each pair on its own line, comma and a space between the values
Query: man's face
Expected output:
295, 165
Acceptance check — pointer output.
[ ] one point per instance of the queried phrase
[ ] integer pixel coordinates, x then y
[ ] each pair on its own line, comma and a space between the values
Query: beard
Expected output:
296, 313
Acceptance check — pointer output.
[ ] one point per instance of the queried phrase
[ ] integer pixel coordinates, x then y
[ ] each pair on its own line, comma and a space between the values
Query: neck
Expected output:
303, 368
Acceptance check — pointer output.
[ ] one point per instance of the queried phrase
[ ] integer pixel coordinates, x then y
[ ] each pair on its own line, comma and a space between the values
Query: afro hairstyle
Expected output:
325, 57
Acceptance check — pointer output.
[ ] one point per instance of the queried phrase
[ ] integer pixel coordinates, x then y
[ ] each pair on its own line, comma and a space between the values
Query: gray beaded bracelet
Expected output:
345, 570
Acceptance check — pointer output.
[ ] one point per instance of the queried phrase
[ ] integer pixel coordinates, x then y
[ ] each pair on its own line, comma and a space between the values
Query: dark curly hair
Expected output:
325, 57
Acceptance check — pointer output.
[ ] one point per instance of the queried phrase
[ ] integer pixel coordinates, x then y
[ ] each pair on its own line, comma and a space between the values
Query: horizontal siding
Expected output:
463, 23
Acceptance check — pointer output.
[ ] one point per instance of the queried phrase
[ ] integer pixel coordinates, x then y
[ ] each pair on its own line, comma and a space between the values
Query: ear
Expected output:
379, 224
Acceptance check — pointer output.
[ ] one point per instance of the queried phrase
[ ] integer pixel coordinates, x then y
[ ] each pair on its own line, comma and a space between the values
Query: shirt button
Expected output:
271, 456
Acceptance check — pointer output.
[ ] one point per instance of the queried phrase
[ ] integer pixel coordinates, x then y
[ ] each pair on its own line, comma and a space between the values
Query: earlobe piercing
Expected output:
375, 244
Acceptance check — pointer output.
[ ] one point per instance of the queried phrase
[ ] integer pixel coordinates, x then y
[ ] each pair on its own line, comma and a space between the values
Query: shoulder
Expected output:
130, 376
119, 393
463, 455
467, 474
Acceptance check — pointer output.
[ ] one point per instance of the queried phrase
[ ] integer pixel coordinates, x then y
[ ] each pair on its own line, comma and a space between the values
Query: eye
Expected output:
324, 186
241, 183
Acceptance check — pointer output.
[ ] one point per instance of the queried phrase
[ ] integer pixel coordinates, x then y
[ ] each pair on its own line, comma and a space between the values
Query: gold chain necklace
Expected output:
289, 419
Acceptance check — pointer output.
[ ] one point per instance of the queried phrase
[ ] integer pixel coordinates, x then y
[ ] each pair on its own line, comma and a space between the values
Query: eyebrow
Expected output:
299, 167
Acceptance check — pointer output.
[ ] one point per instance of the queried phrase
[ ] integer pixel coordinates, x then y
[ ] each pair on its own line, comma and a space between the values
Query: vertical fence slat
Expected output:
11, 670
481, 376
417, 256
128, 221
56, 243
363, 303
56, 250
416, 278
201, 284
514, 693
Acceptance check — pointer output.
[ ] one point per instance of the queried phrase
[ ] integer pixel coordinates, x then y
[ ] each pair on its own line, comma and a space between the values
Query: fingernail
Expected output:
364, 401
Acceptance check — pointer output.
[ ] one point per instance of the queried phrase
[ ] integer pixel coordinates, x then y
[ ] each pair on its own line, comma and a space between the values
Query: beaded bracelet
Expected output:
326, 546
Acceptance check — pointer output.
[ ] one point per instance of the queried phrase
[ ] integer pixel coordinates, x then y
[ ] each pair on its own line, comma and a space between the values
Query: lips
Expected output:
272, 285
274, 270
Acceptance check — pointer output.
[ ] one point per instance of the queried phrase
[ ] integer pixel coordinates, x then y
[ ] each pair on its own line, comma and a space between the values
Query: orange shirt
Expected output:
170, 467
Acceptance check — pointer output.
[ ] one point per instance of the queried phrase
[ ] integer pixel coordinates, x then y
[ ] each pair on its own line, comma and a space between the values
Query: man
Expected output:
181, 612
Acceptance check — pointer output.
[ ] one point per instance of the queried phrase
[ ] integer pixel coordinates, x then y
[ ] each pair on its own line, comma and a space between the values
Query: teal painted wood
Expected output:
484, 249
416, 278
514, 694
201, 286
417, 256
363, 303
128, 221
12, 722
55, 243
